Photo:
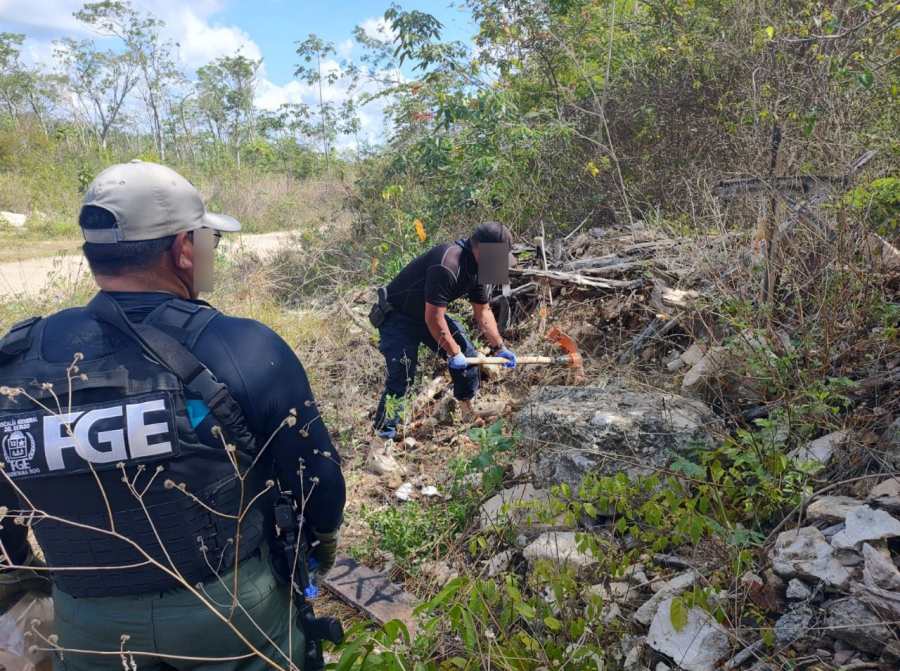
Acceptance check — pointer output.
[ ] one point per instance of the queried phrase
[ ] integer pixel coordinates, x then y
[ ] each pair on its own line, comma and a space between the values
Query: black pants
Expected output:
400, 339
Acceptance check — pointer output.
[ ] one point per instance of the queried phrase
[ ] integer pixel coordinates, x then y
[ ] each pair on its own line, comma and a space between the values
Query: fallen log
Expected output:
619, 269
593, 262
578, 280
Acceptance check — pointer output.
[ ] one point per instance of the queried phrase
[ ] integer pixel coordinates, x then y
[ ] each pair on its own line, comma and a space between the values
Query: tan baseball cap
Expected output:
149, 201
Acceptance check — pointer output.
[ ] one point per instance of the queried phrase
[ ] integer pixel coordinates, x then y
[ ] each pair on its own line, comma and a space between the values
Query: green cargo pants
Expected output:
173, 630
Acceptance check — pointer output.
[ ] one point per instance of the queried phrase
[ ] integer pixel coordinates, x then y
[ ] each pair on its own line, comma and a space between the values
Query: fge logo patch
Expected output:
18, 446
137, 429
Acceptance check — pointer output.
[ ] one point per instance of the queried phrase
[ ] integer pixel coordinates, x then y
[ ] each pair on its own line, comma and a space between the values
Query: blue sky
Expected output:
209, 28
267, 29
275, 25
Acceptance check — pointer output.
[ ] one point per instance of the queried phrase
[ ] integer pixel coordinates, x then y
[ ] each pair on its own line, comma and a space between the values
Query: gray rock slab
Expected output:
700, 645
677, 585
560, 547
821, 449
793, 625
574, 430
831, 509
879, 570
797, 590
882, 601
866, 524
511, 505
886, 495
805, 552
851, 621
498, 563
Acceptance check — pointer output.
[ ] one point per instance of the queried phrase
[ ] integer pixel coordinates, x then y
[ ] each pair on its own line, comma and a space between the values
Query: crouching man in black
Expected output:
412, 310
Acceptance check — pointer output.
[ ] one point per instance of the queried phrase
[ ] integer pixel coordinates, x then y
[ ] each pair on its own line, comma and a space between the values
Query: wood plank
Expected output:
371, 592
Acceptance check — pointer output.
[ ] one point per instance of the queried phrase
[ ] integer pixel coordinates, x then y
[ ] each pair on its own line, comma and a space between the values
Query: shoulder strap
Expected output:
196, 377
183, 320
18, 339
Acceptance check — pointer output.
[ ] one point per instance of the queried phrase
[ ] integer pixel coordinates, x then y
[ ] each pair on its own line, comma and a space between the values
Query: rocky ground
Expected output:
823, 589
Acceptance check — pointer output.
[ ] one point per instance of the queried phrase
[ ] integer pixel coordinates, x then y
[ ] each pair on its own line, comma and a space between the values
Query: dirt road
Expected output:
31, 276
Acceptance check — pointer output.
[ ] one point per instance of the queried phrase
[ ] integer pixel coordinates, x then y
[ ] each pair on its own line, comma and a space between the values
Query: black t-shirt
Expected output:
439, 276
262, 373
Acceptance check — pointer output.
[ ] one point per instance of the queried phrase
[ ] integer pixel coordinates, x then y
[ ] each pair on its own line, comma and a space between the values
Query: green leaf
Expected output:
526, 610
442, 596
770, 32
678, 614
866, 79
552, 623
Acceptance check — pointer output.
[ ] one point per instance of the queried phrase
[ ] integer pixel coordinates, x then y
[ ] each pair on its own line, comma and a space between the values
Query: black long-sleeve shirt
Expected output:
261, 372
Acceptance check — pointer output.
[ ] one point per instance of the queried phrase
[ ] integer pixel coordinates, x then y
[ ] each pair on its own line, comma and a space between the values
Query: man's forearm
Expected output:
484, 317
436, 322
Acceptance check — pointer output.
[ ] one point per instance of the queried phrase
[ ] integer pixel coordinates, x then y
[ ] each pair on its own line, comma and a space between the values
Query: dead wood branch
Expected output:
579, 280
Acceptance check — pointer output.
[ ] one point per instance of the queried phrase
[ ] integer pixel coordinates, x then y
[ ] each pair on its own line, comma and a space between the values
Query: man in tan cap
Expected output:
149, 465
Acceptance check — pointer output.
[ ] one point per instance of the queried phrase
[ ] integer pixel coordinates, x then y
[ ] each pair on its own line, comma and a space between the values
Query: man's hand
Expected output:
325, 551
457, 361
507, 354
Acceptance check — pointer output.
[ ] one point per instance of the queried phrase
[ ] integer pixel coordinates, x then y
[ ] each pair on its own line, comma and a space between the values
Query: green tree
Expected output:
313, 50
101, 81
225, 99
152, 55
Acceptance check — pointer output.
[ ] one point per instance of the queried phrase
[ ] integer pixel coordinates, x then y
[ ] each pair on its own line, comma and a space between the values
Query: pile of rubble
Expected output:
832, 586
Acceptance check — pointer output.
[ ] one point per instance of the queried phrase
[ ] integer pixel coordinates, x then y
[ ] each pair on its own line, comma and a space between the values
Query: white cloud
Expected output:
44, 16
201, 41
192, 27
345, 48
378, 28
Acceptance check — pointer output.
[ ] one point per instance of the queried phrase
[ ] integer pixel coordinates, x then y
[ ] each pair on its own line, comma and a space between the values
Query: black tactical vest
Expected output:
106, 453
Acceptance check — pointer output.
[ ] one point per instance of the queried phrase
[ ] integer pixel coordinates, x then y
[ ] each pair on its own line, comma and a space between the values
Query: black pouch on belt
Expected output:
381, 309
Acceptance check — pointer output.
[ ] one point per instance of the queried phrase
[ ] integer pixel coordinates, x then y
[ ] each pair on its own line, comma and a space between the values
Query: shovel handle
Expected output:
520, 361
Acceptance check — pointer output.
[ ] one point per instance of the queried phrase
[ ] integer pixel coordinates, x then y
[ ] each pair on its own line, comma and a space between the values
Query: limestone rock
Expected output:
705, 371
886, 495
700, 645
866, 524
560, 547
793, 625
831, 509
498, 564
440, 572
511, 505
805, 552
822, 449
879, 570
579, 429
13, 219
854, 623
680, 583
693, 354
381, 459
882, 601
797, 590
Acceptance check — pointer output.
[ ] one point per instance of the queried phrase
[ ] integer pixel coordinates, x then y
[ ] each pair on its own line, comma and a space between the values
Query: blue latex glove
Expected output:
457, 361
509, 355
